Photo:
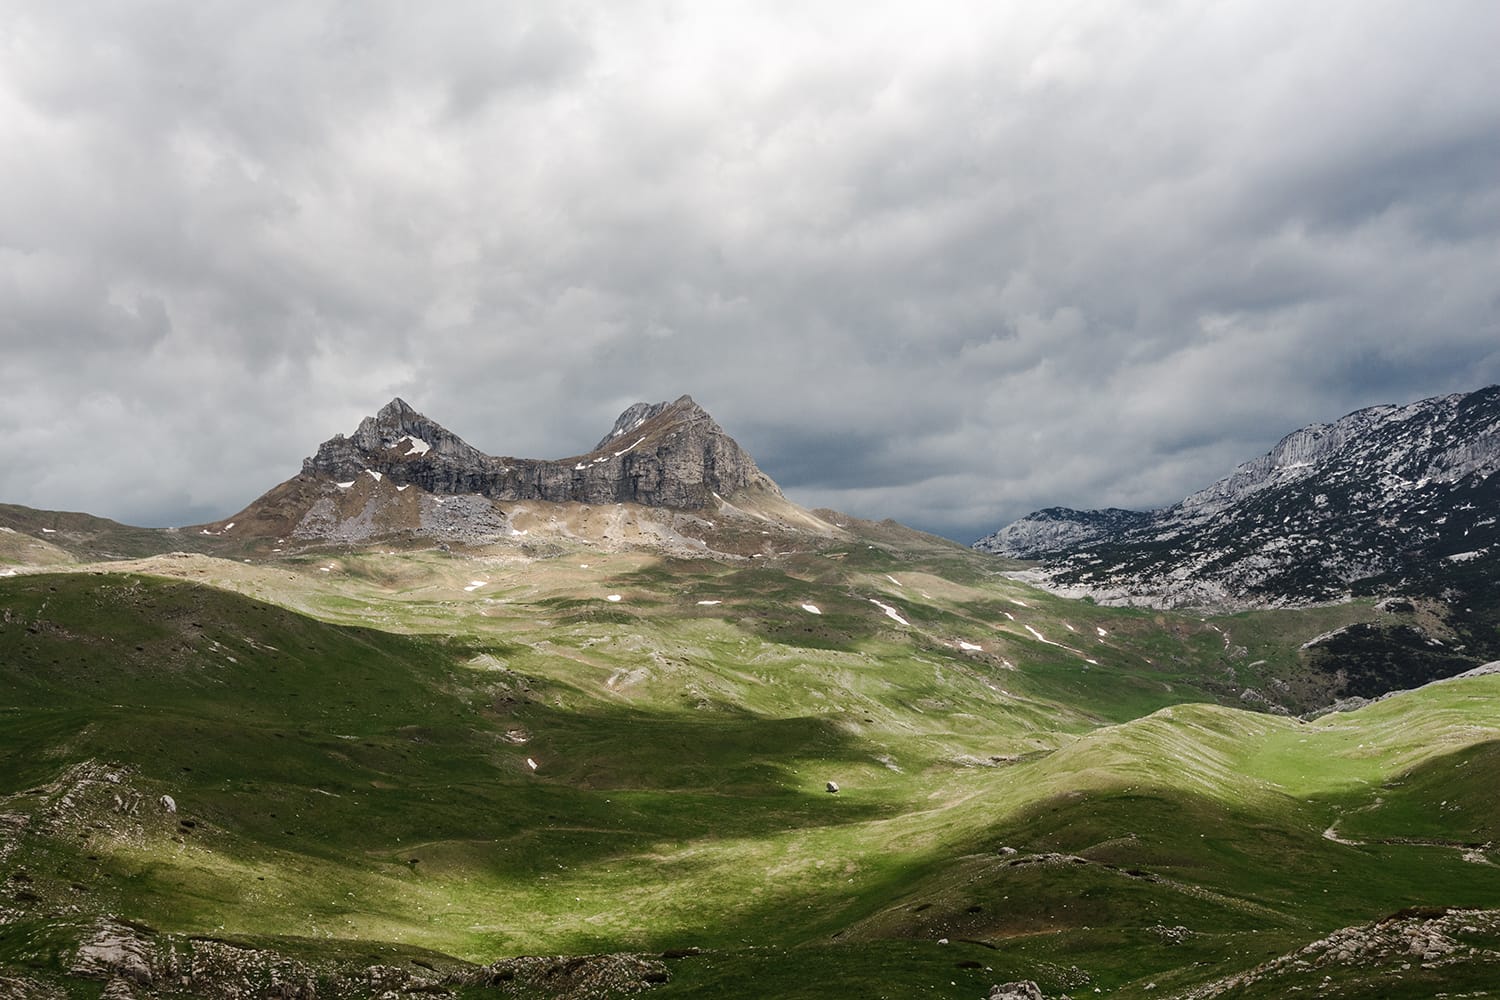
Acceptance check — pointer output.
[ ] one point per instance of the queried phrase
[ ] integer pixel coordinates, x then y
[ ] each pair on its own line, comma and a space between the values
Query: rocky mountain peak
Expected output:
637, 415
657, 454
396, 433
396, 409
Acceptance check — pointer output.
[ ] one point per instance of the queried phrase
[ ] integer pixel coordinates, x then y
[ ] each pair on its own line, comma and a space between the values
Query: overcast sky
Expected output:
943, 262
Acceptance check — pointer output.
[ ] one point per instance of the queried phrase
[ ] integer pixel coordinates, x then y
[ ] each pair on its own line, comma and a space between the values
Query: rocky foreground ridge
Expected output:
1386, 499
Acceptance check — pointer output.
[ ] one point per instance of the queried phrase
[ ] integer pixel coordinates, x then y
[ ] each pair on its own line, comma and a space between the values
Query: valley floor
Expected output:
372, 773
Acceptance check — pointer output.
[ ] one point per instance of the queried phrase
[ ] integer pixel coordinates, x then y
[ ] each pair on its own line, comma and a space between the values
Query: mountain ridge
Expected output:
1373, 502
687, 458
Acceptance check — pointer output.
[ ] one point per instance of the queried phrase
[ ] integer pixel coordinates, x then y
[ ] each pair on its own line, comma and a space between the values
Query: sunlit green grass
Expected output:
360, 770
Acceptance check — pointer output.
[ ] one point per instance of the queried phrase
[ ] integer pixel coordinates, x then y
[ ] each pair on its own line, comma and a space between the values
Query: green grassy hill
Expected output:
425, 763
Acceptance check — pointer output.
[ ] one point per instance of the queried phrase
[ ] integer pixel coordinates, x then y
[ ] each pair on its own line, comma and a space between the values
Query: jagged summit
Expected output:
678, 457
397, 433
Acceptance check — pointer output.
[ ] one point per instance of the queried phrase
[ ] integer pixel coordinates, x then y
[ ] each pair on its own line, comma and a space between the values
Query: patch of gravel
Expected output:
466, 520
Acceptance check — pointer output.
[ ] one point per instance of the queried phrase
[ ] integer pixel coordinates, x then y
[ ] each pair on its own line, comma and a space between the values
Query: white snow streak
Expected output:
475, 585
970, 647
1042, 638
344, 486
811, 609
709, 603
374, 475
614, 598
890, 612
624, 450
417, 446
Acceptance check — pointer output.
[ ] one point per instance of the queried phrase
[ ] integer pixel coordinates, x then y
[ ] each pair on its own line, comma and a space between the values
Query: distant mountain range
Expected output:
1399, 502
1386, 499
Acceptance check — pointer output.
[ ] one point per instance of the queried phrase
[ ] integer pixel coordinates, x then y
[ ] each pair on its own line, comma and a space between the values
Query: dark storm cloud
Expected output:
945, 265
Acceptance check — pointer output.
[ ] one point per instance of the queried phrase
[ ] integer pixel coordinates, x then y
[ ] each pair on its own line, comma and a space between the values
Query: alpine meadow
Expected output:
420, 721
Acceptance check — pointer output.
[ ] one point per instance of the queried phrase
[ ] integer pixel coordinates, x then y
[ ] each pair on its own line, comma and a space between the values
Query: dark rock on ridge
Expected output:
1058, 529
657, 454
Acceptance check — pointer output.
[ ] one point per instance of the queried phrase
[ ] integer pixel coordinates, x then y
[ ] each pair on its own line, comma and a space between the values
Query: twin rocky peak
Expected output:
657, 454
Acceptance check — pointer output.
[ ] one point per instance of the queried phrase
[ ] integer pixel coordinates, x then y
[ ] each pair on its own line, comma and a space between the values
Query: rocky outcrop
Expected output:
1421, 937
114, 950
136, 961
16, 987
1384, 497
658, 455
1025, 989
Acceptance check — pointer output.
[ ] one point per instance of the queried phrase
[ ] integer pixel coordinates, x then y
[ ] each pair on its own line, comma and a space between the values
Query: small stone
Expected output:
168, 804
833, 788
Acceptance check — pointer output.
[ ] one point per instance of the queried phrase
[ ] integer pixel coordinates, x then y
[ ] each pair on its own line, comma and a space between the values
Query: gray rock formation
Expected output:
1023, 990
1058, 529
634, 417
112, 951
660, 455
1433, 937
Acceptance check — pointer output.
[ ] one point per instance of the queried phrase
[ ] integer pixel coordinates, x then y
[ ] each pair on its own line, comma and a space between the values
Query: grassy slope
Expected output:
373, 786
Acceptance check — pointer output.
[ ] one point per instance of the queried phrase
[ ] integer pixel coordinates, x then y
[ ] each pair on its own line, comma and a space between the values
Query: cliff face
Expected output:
659, 455
1384, 498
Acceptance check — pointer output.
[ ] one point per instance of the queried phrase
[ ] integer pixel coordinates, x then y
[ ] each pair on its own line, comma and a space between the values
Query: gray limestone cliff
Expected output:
657, 454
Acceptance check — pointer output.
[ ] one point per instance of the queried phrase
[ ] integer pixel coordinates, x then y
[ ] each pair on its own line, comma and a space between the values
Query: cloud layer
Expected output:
940, 263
